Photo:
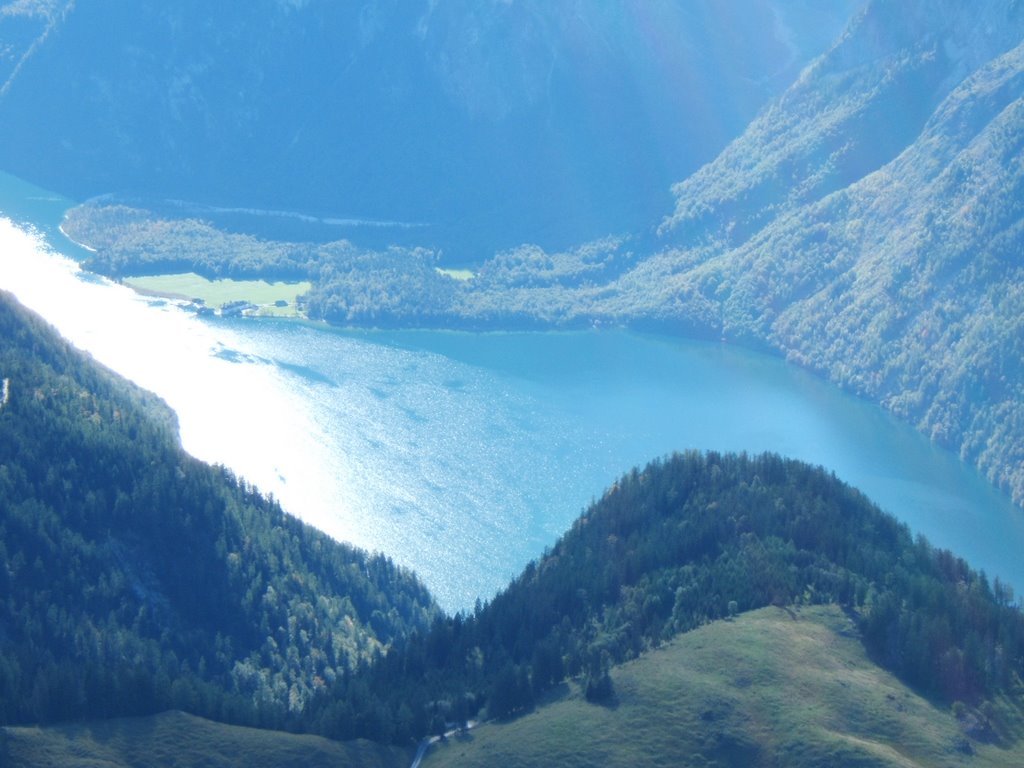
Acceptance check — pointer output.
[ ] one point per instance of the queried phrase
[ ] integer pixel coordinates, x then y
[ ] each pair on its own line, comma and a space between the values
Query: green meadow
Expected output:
457, 274
773, 687
184, 741
214, 293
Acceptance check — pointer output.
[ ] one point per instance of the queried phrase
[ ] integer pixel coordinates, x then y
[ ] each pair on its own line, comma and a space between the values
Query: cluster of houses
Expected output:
228, 309
238, 308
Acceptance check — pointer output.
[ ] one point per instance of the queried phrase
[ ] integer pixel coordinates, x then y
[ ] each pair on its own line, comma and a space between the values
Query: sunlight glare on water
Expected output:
464, 455
238, 415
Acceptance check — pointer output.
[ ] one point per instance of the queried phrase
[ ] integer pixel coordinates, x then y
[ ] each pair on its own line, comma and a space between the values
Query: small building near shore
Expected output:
237, 308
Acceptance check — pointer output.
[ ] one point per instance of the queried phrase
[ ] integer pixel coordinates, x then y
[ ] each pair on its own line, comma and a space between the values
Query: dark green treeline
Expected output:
134, 578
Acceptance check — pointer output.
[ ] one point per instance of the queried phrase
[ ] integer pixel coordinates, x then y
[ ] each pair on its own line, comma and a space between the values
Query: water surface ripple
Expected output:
464, 455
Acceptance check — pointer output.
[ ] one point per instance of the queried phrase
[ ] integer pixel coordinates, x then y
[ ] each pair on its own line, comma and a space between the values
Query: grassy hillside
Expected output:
773, 687
683, 542
181, 740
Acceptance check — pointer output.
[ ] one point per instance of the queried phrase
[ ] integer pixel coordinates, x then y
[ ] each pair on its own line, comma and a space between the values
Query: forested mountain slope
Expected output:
855, 108
134, 578
683, 542
907, 284
868, 224
483, 123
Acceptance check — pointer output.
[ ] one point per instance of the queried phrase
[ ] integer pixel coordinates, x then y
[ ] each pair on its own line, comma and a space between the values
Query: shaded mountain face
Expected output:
489, 124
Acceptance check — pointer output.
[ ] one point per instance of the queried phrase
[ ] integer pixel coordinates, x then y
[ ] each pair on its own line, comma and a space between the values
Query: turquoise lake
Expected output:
464, 455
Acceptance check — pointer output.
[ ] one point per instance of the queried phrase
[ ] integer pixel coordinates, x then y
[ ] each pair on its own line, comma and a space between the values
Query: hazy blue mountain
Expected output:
868, 224
853, 110
492, 123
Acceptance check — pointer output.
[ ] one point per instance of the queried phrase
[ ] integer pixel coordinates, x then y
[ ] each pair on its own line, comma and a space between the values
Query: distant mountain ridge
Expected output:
493, 123
852, 111
867, 224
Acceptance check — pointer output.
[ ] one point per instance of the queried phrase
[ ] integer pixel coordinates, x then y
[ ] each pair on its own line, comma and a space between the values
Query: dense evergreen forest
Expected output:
134, 578
390, 287
690, 539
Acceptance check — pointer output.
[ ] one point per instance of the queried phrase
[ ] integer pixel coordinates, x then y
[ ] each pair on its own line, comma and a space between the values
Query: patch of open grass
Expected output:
457, 274
773, 687
214, 293
184, 741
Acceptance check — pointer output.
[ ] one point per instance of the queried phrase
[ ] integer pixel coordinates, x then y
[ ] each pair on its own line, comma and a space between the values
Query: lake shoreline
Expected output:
390, 437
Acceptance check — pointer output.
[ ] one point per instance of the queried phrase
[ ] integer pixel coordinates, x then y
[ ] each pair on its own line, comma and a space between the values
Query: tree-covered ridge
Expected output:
904, 286
688, 540
134, 578
134, 241
853, 110
350, 285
